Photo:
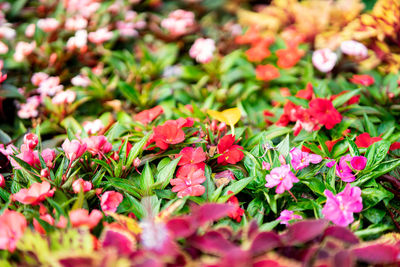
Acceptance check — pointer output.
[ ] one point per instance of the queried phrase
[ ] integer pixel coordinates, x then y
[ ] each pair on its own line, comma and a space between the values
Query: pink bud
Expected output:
213, 125
222, 127
2, 181
31, 140
358, 163
282, 159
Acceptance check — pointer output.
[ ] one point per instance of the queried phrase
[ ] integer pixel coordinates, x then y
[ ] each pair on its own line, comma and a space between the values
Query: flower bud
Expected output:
31, 140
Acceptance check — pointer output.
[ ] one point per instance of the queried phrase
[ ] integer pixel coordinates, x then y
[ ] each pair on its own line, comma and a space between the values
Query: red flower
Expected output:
351, 101
188, 181
289, 57
259, 50
331, 144
395, 145
238, 212
251, 36
147, 116
306, 93
363, 79
170, 133
35, 194
191, 155
230, 153
365, 140
267, 72
324, 112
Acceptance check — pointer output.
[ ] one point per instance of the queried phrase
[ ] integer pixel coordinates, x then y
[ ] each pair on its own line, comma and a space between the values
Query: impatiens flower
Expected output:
354, 48
267, 72
324, 59
62, 223
170, 133
238, 212
363, 79
330, 164
100, 36
288, 215
230, 153
202, 50
340, 208
324, 112
81, 80
81, 184
260, 50
12, 227
191, 155
79, 40
188, 181
48, 156
148, 115
266, 166
31, 140
301, 159
3, 48
64, 97
81, 217
76, 23
50, 86
97, 145
30, 30
48, 24
289, 57
28, 155
92, 127
35, 194
343, 169
179, 22
281, 177
251, 36
110, 201
23, 50
358, 163
73, 149
38, 78
365, 140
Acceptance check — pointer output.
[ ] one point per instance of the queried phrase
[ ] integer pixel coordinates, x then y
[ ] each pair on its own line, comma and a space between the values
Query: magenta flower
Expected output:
343, 169
301, 159
287, 215
110, 201
330, 163
281, 177
340, 208
358, 163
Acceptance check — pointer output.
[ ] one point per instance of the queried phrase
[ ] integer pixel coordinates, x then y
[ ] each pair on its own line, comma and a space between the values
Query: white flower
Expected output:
202, 50
354, 48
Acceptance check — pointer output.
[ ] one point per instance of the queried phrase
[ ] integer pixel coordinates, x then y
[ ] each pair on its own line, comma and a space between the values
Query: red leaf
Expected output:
343, 258
212, 242
377, 254
342, 234
211, 212
264, 242
181, 227
304, 231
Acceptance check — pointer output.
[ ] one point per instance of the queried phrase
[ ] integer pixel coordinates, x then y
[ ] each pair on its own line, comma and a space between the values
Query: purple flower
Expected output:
343, 169
281, 177
358, 163
287, 215
301, 159
340, 208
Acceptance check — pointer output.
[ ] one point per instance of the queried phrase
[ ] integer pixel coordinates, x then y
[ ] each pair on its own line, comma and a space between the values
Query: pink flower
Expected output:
31, 140
188, 181
2, 181
340, 208
110, 201
301, 159
330, 163
30, 30
81, 217
22, 50
202, 50
30, 108
343, 169
324, 59
81, 80
92, 127
12, 227
35, 194
354, 48
73, 149
81, 184
48, 24
48, 156
62, 223
281, 177
358, 163
98, 145
191, 155
100, 36
179, 22
76, 23
28, 155
3, 48
287, 215
38, 78
50, 86
64, 97
79, 40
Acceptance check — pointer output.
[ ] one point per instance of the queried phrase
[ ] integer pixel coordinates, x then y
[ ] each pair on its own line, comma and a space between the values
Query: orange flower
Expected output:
267, 72
251, 36
260, 50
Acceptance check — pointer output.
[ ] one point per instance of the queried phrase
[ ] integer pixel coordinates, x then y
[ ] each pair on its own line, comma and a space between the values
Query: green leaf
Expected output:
353, 147
372, 196
146, 179
283, 146
376, 153
167, 172
369, 126
136, 149
79, 202
235, 187
340, 100
374, 215
129, 92
298, 101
